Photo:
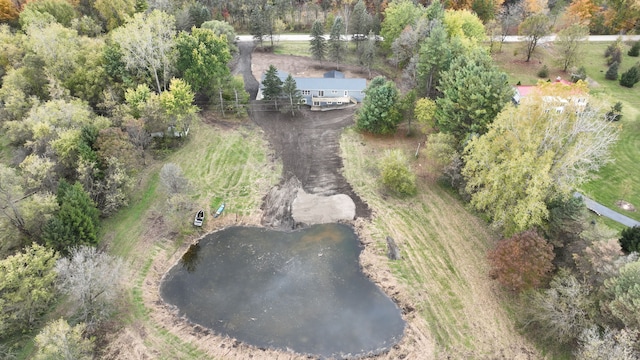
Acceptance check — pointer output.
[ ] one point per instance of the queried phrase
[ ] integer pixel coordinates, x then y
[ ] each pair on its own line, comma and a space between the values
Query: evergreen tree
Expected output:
272, 85
360, 22
257, 26
336, 46
631, 76
630, 239
635, 49
75, 223
291, 92
434, 56
612, 72
379, 113
473, 91
318, 42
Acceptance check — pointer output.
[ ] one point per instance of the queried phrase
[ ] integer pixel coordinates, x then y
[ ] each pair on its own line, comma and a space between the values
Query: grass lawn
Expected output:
221, 164
444, 266
620, 179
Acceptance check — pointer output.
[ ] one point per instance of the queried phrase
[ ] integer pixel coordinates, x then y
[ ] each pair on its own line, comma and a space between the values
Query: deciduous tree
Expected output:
173, 180
534, 153
624, 293
561, 312
532, 30
569, 42
521, 262
114, 13
27, 288
61, 341
221, 28
91, 278
292, 94
147, 43
203, 60
607, 343
397, 16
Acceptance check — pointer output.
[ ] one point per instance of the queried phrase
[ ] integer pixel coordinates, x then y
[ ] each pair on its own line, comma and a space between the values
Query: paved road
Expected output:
594, 38
606, 212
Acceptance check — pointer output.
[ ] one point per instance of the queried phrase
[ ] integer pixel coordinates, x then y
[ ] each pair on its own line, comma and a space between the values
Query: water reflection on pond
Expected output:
300, 290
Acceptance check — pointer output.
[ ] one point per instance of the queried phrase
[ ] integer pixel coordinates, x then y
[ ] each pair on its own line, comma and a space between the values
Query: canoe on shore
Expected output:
219, 211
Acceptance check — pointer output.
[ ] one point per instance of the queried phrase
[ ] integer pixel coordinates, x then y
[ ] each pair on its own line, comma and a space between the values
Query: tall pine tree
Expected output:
318, 42
272, 85
336, 46
75, 223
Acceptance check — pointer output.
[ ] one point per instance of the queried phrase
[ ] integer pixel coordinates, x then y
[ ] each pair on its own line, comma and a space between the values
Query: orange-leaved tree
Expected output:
522, 261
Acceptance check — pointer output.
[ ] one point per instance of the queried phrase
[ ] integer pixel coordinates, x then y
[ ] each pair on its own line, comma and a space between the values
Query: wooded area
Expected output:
91, 90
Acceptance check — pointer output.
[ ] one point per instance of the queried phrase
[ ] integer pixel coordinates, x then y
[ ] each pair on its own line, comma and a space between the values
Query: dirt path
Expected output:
308, 144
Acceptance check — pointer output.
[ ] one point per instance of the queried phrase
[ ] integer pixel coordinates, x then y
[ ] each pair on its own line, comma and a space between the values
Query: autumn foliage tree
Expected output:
522, 261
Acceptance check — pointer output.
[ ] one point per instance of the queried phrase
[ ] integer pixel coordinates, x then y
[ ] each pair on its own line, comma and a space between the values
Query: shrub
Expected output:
544, 72
612, 72
635, 49
581, 74
614, 52
615, 113
630, 239
396, 174
631, 76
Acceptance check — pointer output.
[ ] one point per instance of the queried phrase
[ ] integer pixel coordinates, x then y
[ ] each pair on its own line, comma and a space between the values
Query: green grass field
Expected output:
620, 179
229, 165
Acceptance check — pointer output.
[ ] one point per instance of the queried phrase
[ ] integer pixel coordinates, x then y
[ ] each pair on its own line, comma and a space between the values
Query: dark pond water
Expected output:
300, 290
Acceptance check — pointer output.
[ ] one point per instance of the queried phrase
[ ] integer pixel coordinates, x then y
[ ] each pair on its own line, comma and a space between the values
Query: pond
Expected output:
301, 290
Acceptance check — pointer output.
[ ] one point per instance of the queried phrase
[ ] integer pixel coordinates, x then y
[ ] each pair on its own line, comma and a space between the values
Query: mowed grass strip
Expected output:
615, 181
444, 264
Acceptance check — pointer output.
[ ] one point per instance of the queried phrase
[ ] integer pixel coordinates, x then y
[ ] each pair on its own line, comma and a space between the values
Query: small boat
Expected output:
199, 218
219, 211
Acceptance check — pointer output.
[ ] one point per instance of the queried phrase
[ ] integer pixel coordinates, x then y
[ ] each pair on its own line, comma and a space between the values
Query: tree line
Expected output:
87, 91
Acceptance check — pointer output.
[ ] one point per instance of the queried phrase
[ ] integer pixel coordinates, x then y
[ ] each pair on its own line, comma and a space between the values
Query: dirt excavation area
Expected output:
313, 189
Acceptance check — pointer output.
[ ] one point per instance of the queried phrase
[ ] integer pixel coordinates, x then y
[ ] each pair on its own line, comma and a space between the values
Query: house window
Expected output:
329, 102
316, 103
334, 91
320, 92
346, 93
303, 101
306, 92
339, 102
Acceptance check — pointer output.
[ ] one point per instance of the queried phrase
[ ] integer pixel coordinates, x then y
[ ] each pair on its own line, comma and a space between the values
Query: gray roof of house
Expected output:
329, 83
334, 74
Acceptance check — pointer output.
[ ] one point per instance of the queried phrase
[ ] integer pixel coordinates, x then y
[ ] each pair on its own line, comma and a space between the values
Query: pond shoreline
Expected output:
220, 346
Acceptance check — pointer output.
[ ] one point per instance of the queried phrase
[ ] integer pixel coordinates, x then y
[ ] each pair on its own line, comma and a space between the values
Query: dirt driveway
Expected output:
308, 143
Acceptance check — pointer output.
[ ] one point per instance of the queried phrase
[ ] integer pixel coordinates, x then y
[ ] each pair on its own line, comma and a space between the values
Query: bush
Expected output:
396, 175
615, 113
544, 72
630, 240
612, 72
581, 74
614, 53
635, 49
631, 76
